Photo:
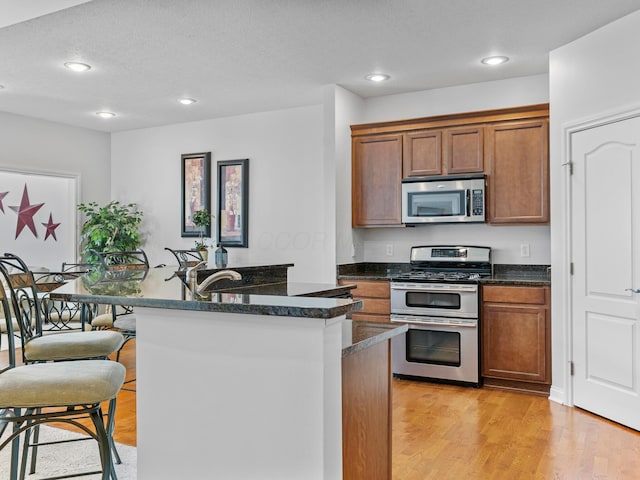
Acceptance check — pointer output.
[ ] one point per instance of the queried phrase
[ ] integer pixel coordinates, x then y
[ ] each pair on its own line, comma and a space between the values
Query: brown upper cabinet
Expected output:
464, 149
376, 180
443, 151
422, 153
518, 178
509, 145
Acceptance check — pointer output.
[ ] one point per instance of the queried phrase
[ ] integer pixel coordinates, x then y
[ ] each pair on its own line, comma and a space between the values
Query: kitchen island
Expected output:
237, 385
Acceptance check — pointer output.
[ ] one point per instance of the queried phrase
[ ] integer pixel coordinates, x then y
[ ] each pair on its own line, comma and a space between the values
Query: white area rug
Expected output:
71, 457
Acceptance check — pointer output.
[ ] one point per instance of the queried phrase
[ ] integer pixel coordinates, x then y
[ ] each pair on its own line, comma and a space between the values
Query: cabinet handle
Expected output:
633, 290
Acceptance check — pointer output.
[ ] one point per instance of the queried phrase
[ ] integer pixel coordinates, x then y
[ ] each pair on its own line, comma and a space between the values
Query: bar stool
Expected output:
52, 347
40, 393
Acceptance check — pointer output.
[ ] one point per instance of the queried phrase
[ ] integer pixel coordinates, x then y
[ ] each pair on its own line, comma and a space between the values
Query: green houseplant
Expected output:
201, 219
111, 228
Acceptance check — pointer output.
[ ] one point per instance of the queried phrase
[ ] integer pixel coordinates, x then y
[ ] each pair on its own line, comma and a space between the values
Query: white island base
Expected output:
238, 396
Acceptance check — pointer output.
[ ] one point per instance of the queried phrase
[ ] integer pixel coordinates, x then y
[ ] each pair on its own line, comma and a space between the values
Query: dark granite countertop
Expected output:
161, 288
294, 289
251, 274
503, 274
358, 335
525, 275
371, 270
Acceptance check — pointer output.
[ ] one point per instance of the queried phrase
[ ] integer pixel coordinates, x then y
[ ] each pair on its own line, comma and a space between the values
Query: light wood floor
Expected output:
448, 432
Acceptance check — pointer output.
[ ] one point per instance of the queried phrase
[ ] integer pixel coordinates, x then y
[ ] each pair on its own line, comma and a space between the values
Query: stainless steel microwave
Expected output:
451, 199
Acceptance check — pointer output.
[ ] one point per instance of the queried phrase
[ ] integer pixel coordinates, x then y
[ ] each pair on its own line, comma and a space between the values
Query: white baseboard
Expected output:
557, 395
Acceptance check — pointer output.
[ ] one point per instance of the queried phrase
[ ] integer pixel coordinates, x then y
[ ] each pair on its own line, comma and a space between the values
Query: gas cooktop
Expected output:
444, 263
438, 276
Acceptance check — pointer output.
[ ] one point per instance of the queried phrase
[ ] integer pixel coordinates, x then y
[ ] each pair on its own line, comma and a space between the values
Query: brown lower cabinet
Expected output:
375, 296
516, 342
366, 413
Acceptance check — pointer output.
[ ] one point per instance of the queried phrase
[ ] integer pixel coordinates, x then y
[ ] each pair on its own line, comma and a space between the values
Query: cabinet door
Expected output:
515, 337
464, 149
517, 153
376, 180
422, 153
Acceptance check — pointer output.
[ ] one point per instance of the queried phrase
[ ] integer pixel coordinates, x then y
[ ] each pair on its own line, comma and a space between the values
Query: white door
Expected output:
605, 229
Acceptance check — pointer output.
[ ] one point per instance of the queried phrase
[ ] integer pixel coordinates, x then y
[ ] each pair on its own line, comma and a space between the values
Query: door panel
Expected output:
611, 368
605, 203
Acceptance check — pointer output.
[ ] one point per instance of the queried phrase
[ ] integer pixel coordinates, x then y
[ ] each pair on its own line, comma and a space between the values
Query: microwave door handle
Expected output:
468, 202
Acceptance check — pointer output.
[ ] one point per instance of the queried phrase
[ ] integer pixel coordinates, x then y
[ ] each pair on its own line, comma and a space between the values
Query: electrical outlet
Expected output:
389, 250
524, 250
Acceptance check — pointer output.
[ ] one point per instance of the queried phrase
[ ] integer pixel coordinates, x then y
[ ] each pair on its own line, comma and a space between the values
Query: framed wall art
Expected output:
233, 203
38, 217
196, 191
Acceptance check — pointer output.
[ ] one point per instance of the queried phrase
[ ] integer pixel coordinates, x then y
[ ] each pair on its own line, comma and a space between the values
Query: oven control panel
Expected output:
449, 253
446, 253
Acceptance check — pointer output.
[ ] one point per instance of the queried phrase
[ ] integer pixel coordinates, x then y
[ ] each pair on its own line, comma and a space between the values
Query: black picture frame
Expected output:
196, 191
232, 213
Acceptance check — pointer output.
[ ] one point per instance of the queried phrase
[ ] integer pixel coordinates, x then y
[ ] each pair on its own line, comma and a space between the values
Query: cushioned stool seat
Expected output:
84, 382
72, 345
102, 321
126, 322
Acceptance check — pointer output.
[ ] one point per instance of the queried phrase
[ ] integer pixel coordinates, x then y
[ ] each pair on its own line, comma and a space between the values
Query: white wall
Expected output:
287, 194
348, 111
511, 92
370, 244
591, 77
504, 241
45, 147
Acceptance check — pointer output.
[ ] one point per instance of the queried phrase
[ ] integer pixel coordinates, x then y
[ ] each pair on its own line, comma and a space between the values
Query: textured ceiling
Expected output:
241, 56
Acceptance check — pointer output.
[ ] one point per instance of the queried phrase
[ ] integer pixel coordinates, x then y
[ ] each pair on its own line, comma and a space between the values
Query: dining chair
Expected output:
58, 314
186, 258
38, 346
119, 267
53, 392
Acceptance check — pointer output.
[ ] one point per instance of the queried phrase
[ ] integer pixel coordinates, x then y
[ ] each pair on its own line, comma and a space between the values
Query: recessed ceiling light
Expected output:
187, 101
105, 114
77, 66
495, 60
377, 77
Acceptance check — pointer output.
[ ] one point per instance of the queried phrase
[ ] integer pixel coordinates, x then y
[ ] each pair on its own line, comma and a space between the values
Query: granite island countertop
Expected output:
357, 335
294, 289
161, 288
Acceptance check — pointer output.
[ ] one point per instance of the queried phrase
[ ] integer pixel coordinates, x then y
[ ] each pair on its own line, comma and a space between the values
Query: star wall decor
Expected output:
2, 195
25, 212
51, 228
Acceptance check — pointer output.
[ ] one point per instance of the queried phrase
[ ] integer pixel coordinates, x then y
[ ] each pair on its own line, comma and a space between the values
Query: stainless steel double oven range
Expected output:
439, 301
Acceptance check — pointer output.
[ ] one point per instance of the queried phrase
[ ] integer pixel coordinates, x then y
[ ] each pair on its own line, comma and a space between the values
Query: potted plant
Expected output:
202, 219
111, 228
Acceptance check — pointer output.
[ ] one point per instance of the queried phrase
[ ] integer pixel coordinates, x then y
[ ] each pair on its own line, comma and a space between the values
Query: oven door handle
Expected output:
424, 287
424, 322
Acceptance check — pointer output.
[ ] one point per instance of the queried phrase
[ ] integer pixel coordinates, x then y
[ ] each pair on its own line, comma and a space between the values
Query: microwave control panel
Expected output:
477, 202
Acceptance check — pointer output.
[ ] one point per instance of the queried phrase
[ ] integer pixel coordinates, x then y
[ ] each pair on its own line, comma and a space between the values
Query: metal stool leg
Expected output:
111, 422
34, 450
104, 446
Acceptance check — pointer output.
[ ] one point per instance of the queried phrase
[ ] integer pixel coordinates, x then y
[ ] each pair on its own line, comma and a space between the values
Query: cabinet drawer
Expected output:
374, 305
369, 288
370, 317
522, 295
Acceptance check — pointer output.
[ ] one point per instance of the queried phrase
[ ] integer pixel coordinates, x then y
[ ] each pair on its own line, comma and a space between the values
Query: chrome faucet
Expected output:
192, 278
